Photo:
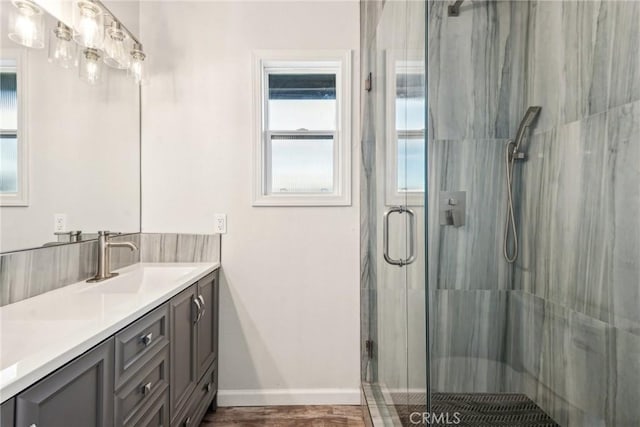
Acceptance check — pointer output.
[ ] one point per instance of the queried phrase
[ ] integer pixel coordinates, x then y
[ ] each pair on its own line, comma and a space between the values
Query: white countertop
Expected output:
40, 334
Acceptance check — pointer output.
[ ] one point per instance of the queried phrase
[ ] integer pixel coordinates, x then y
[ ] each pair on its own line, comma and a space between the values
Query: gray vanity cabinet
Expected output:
207, 326
193, 361
183, 375
159, 371
6, 413
78, 395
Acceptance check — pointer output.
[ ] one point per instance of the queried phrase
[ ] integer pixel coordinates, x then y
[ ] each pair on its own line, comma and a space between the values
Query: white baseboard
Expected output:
278, 397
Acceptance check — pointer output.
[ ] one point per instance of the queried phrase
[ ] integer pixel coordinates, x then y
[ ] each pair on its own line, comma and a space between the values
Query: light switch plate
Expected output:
221, 223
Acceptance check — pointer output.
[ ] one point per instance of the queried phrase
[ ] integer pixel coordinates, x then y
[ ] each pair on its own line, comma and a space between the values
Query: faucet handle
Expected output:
107, 233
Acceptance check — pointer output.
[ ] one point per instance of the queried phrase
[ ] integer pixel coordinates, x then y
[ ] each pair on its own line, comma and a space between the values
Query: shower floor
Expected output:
480, 410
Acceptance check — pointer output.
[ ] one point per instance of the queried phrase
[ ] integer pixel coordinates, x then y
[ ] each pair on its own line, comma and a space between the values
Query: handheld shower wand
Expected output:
513, 153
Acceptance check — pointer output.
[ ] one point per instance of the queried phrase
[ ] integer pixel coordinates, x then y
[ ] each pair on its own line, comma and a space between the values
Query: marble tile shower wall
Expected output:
29, 273
477, 85
477, 63
583, 58
563, 325
574, 325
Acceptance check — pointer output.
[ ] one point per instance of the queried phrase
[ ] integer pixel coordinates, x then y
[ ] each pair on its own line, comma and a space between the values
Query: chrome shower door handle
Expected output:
385, 235
412, 236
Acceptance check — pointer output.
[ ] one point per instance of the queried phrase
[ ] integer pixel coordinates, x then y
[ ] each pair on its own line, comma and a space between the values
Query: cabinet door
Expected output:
6, 413
78, 395
182, 340
207, 327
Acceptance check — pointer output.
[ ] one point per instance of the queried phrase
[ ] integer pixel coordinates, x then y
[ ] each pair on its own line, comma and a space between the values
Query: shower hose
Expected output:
510, 253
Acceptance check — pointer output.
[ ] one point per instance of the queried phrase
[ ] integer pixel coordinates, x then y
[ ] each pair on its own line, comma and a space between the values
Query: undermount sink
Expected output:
131, 282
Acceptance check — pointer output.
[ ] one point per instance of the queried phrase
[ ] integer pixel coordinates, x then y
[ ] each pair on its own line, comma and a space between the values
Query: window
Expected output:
13, 142
406, 157
303, 138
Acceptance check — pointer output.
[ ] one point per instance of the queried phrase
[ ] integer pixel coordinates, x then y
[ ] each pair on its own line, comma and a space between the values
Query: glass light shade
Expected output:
62, 49
137, 69
88, 23
27, 24
90, 67
115, 51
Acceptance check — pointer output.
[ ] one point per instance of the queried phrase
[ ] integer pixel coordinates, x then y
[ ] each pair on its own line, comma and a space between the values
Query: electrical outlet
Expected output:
59, 223
221, 223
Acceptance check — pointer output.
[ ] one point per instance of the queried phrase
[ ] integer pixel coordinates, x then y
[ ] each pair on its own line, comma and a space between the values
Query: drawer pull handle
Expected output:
201, 298
208, 387
146, 339
146, 389
187, 422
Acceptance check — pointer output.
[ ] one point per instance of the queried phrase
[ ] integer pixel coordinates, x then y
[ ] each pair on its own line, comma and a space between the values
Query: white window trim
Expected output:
393, 197
21, 198
264, 59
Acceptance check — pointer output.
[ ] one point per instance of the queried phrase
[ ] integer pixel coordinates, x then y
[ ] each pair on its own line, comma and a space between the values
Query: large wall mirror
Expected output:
69, 127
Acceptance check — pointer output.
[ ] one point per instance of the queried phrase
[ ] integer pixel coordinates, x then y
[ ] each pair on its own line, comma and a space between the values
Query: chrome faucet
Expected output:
104, 256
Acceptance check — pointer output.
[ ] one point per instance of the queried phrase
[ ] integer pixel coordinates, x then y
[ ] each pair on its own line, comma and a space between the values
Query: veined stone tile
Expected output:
165, 247
477, 69
468, 257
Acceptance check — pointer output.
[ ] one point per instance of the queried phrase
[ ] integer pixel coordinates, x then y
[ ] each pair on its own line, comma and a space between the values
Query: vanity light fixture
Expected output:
90, 68
88, 31
62, 49
88, 23
115, 52
27, 24
137, 69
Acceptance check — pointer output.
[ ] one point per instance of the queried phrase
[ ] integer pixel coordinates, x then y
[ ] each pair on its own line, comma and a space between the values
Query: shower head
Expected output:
528, 119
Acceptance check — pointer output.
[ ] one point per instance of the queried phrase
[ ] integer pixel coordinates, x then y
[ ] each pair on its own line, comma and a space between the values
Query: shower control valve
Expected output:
452, 208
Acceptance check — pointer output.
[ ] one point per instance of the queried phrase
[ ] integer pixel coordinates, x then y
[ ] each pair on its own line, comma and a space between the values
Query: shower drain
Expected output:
479, 410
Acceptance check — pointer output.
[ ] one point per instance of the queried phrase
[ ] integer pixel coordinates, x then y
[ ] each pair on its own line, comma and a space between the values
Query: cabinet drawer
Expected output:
142, 388
156, 415
138, 343
199, 401
207, 387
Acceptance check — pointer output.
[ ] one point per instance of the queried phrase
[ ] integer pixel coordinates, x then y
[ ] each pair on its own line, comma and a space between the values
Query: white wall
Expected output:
290, 287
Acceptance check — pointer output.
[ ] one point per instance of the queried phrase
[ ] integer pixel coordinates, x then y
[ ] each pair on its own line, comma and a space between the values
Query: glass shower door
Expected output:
397, 373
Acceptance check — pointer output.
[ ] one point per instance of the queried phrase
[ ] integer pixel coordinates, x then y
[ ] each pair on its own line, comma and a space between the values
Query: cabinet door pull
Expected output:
187, 422
146, 339
208, 387
196, 301
204, 310
146, 389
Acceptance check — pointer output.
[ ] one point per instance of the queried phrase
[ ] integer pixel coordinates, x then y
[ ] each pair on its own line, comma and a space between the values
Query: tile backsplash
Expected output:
26, 274
164, 247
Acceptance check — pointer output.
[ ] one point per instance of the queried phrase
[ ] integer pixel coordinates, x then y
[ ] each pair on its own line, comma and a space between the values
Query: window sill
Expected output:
301, 200
13, 200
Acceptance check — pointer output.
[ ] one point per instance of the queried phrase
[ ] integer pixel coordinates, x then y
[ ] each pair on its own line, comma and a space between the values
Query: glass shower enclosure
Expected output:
458, 328
393, 197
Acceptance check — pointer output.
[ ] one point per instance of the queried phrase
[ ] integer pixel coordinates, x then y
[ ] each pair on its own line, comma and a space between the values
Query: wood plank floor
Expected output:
285, 416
